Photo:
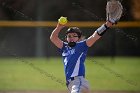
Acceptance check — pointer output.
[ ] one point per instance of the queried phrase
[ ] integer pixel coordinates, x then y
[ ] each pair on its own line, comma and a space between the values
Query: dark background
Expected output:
34, 42
51, 10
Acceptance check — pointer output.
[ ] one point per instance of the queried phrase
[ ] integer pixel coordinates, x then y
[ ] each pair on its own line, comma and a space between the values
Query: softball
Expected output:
62, 20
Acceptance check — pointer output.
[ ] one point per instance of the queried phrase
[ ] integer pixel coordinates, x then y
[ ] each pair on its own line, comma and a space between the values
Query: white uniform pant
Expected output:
78, 85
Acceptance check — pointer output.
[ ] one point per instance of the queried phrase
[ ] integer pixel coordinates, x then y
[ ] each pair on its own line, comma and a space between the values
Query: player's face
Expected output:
72, 37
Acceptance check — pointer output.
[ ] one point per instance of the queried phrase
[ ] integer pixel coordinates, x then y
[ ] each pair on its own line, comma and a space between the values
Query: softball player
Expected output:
74, 50
74, 53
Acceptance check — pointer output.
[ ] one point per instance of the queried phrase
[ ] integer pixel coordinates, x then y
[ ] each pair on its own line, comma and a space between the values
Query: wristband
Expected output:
101, 30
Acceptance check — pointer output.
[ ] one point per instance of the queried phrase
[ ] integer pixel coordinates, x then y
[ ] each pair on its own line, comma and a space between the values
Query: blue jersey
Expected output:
74, 58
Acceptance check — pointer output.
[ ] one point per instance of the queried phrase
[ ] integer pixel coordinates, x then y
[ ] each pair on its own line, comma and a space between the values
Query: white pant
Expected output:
78, 85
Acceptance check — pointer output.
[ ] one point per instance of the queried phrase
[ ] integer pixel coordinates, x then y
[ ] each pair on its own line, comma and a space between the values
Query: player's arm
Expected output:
54, 36
113, 14
98, 33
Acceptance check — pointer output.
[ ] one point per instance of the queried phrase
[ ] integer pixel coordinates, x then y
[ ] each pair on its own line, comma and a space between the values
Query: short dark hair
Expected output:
74, 30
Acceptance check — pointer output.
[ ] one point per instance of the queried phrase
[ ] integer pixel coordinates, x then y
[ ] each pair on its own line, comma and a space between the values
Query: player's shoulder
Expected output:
82, 42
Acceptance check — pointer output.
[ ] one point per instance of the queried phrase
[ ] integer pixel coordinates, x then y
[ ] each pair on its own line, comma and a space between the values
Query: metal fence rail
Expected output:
72, 23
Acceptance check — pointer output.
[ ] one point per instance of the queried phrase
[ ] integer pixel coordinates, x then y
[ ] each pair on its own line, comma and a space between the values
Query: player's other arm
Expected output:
54, 36
98, 33
114, 11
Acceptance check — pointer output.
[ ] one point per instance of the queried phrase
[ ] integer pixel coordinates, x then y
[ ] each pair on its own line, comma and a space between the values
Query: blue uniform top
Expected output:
74, 58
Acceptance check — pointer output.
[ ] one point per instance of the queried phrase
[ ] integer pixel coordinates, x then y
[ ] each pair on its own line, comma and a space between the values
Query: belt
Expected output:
72, 78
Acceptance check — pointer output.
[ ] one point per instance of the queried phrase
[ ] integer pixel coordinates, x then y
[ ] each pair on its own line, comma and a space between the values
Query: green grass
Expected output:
103, 73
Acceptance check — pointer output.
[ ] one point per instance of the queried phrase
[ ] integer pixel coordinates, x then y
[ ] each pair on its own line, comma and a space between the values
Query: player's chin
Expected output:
71, 41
